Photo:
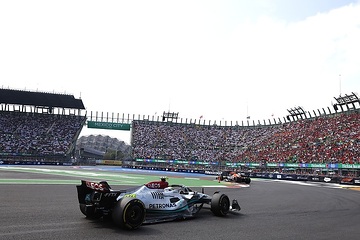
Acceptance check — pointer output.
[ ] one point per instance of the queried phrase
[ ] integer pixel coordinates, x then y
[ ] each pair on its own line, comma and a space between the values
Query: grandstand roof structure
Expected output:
43, 99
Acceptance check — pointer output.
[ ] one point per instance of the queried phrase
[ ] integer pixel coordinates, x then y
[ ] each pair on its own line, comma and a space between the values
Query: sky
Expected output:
222, 60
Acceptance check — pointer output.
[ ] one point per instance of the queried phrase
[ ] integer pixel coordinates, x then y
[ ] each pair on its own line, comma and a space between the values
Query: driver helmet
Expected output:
163, 178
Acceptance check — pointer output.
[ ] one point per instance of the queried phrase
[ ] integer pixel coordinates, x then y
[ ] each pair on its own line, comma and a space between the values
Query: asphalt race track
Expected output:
270, 210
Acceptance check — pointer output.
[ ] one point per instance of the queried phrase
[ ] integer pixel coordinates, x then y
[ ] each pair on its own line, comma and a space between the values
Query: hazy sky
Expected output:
222, 60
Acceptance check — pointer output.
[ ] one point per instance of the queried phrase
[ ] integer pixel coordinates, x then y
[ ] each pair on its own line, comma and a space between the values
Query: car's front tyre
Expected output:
220, 204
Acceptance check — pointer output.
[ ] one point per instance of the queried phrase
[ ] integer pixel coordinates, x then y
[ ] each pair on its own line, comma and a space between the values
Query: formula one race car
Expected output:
150, 203
231, 176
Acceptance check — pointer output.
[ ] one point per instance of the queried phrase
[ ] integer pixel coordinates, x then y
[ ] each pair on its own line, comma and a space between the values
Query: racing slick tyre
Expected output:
129, 213
89, 211
247, 180
220, 204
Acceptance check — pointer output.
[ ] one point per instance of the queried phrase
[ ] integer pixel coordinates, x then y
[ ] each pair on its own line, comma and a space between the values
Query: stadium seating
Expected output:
331, 138
37, 136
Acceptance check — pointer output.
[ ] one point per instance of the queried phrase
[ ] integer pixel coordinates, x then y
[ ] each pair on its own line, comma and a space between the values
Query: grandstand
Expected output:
39, 127
325, 139
322, 141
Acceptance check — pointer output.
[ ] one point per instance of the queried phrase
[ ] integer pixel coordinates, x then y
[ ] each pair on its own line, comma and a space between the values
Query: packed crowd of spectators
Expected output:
36, 134
325, 139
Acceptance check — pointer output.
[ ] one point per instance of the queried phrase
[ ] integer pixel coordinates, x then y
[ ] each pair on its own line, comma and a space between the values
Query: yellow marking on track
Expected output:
353, 188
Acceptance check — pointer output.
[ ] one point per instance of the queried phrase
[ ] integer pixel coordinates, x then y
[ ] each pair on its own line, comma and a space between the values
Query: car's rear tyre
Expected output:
247, 180
89, 211
220, 204
129, 213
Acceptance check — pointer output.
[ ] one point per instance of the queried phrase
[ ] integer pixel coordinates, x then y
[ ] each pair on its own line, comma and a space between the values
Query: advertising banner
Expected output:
109, 125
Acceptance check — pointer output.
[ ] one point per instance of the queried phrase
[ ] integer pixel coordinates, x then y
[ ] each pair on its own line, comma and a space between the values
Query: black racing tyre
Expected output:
129, 213
89, 211
220, 204
247, 180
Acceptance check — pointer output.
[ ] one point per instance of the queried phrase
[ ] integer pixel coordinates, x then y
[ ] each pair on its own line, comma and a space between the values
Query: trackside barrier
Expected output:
310, 178
169, 169
6, 162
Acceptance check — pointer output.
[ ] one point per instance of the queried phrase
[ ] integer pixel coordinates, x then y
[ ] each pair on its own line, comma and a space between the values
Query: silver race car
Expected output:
153, 202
